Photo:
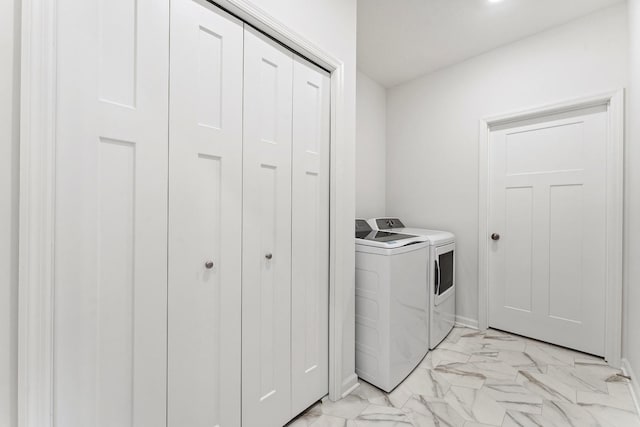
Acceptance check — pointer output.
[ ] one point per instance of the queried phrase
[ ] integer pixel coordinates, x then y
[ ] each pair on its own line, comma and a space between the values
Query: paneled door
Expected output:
110, 296
266, 236
548, 224
205, 213
310, 238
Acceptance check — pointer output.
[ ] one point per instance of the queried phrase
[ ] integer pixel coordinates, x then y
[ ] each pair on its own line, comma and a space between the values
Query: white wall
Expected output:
631, 350
433, 122
371, 157
9, 123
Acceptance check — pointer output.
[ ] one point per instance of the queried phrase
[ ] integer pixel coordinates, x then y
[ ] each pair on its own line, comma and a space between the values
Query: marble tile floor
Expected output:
490, 378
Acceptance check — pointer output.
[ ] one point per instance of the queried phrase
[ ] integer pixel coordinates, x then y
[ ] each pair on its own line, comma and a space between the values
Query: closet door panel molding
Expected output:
310, 238
205, 213
110, 284
266, 278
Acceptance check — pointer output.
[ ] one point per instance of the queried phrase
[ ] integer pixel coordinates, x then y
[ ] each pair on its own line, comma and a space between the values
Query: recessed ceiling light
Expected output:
495, 1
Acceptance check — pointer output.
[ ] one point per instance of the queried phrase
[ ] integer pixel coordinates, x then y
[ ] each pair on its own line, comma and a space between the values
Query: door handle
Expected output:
437, 278
495, 237
208, 265
268, 256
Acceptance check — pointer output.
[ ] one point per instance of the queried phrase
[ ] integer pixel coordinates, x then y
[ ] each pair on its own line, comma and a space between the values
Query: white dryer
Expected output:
391, 311
442, 281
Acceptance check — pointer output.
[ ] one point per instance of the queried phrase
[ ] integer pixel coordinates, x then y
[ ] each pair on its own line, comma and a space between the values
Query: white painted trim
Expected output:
37, 148
465, 322
633, 384
339, 276
483, 226
37, 161
349, 385
615, 202
264, 22
615, 232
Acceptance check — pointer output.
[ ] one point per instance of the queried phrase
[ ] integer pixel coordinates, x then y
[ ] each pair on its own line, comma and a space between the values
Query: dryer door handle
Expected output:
437, 277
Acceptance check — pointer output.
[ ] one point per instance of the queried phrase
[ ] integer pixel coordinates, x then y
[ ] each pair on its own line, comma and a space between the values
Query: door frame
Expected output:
614, 102
37, 205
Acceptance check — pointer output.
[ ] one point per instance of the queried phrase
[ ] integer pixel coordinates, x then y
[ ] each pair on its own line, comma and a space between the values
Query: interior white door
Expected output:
266, 236
310, 238
547, 207
111, 214
205, 213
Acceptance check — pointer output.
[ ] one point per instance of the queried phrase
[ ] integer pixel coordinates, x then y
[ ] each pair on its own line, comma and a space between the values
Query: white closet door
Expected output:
266, 280
111, 214
205, 213
310, 239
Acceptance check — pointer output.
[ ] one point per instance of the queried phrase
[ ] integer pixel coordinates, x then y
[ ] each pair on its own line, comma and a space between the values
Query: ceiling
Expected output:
400, 40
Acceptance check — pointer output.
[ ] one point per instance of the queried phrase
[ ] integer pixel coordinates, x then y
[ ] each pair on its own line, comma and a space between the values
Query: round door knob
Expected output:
268, 256
495, 236
208, 265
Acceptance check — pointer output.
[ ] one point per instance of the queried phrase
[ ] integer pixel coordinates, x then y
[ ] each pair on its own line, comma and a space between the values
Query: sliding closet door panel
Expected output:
111, 214
310, 239
205, 212
266, 281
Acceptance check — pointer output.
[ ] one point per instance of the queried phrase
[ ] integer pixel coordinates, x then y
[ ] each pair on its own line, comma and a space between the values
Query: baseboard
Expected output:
349, 384
466, 322
635, 387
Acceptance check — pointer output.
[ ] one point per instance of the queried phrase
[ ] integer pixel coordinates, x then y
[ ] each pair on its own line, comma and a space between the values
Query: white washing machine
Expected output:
391, 311
442, 280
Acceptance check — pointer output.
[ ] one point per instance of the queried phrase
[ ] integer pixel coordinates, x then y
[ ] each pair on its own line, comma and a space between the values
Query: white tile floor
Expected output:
491, 378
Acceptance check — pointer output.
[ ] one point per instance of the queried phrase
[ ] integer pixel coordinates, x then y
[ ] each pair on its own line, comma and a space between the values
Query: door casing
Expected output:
614, 103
